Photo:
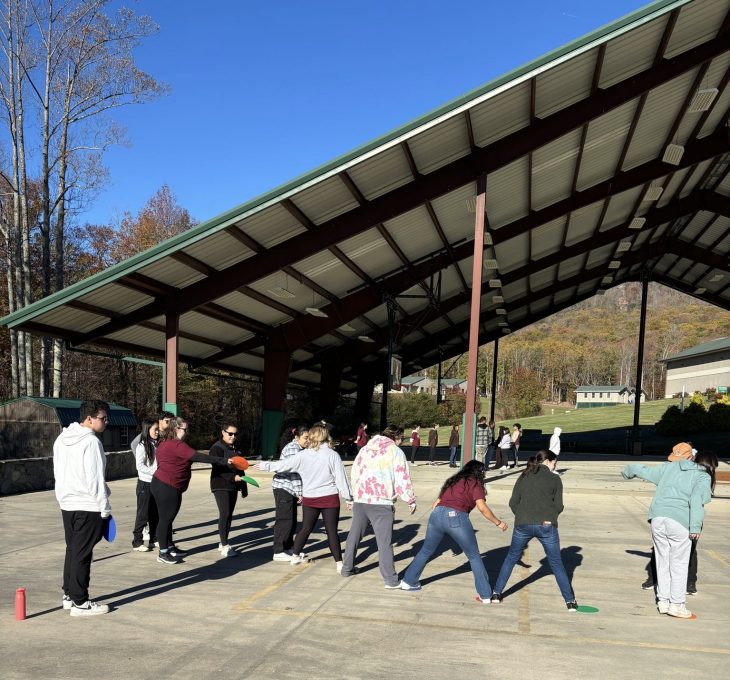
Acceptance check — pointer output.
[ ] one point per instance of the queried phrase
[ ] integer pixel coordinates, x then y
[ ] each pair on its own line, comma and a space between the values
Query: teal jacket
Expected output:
683, 488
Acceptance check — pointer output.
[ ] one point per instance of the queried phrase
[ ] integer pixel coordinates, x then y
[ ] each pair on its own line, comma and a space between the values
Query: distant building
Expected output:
590, 396
699, 368
417, 384
30, 425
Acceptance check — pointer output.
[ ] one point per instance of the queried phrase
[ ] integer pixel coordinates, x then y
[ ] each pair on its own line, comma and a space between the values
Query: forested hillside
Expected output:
596, 342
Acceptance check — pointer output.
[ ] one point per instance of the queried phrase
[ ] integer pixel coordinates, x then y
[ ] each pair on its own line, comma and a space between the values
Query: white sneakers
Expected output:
338, 566
408, 586
227, 550
679, 610
88, 608
282, 557
298, 559
663, 606
66, 602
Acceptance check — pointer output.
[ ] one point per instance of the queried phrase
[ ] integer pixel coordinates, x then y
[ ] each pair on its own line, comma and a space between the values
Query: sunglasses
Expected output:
231, 434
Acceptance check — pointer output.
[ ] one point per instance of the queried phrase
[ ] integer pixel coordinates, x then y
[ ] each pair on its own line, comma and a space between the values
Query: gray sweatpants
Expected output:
672, 547
381, 517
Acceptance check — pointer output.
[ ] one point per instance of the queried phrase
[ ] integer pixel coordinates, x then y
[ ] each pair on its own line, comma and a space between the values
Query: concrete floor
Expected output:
248, 617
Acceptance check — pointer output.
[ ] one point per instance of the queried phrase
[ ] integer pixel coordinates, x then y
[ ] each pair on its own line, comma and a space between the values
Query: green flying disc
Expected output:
585, 609
249, 480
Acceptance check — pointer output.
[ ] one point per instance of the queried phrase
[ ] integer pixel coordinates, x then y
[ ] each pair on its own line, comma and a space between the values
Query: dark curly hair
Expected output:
472, 470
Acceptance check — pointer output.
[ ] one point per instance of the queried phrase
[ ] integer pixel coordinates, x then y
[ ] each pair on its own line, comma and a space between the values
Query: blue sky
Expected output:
263, 91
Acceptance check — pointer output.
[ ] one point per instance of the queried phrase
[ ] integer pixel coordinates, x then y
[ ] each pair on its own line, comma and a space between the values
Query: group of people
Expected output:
502, 446
433, 441
311, 473
164, 463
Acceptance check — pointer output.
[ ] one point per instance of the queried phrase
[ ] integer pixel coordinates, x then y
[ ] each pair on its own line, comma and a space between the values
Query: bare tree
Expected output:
70, 62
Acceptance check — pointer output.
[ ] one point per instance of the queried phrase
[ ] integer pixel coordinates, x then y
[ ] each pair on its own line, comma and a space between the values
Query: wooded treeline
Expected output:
596, 343
65, 66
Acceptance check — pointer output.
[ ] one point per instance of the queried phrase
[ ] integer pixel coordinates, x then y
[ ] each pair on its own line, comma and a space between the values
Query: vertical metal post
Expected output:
390, 304
494, 380
438, 378
640, 357
169, 376
475, 311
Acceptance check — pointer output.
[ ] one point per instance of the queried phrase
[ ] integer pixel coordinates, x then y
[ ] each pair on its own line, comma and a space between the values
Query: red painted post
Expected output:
171, 357
476, 298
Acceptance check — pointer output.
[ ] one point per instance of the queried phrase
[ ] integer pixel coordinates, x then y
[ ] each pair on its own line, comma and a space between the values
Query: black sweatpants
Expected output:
226, 502
285, 520
168, 501
83, 531
146, 514
331, 517
414, 451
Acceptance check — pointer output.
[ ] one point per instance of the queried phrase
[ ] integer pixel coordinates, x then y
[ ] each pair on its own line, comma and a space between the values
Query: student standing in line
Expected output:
491, 446
481, 440
554, 445
171, 479
516, 437
415, 443
144, 455
225, 485
504, 446
323, 477
537, 500
379, 477
433, 440
79, 464
459, 495
453, 445
287, 488
362, 435
676, 514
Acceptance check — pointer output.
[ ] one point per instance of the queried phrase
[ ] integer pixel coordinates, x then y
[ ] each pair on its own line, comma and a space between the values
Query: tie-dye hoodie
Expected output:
380, 474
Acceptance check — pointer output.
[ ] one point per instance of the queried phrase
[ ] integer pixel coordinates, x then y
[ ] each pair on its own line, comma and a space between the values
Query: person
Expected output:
79, 465
433, 440
163, 422
379, 477
453, 445
225, 485
146, 507
503, 448
481, 440
492, 446
536, 501
323, 477
415, 443
287, 488
362, 436
171, 479
676, 514
516, 437
554, 445
458, 496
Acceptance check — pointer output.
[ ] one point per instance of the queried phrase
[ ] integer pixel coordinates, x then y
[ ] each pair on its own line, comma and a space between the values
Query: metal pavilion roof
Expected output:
603, 159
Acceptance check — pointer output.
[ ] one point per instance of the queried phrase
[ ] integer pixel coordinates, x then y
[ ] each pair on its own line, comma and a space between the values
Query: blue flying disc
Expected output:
110, 529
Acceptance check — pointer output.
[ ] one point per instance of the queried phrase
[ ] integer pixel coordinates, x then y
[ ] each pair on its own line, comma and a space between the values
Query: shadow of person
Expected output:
492, 561
640, 553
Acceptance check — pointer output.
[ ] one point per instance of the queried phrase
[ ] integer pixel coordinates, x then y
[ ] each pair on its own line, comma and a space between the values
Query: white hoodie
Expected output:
78, 466
555, 441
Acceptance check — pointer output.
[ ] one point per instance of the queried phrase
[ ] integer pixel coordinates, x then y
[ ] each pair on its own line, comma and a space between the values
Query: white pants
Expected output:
479, 452
672, 547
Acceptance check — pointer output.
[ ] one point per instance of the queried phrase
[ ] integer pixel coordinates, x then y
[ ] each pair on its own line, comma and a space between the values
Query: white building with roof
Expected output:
699, 368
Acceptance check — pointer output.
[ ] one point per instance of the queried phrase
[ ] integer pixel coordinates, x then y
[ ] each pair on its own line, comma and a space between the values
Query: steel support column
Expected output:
329, 388
365, 387
475, 314
637, 444
277, 363
171, 359
495, 357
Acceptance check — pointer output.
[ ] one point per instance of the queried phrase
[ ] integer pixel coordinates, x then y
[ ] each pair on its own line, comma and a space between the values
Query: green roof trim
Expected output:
62, 403
604, 33
601, 388
717, 345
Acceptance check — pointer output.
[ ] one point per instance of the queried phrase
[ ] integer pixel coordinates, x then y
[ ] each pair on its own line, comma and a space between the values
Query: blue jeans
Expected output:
456, 524
548, 536
452, 456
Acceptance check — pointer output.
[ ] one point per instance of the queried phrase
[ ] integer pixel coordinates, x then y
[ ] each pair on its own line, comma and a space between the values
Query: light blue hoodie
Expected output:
683, 488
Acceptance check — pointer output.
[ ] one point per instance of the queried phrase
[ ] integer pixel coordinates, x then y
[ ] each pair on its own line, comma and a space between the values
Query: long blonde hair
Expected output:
318, 435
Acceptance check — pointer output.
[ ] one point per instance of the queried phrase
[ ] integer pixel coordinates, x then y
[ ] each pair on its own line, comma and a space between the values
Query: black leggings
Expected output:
226, 502
309, 517
168, 501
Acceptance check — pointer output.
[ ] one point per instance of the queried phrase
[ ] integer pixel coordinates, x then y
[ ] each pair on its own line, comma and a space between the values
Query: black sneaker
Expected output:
177, 552
572, 606
648, 584
692, 590
496, 598
168, 558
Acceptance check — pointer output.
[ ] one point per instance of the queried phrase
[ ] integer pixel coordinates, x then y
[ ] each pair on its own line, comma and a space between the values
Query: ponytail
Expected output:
534, 462
708, 460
